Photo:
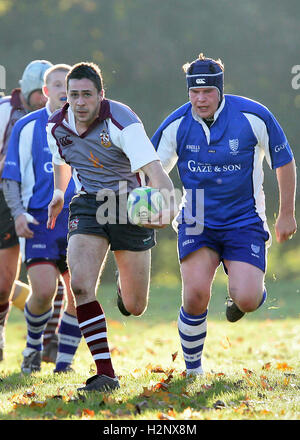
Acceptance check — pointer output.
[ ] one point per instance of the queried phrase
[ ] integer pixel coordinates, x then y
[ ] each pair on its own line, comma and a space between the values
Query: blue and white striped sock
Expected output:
192, 332
69, 336
36, 325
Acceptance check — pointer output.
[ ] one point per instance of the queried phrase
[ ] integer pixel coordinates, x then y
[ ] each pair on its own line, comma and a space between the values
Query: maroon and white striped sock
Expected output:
4, 309
58, 306
92, 323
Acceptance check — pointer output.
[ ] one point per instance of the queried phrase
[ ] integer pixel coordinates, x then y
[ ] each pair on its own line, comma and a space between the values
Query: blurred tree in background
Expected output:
141, 45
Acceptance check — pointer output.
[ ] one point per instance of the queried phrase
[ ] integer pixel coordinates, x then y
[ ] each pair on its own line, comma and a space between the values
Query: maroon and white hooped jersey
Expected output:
113, 149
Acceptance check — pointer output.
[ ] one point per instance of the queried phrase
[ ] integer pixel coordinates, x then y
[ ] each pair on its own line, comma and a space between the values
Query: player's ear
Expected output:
45, 91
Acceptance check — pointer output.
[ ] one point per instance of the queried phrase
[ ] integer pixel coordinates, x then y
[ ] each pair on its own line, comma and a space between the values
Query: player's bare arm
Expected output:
286, 224
62, 176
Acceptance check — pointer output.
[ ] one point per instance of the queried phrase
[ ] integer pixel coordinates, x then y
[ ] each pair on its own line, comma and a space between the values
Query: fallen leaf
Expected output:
206, 386
146, 392
248, 372
114, 351
163, 416
61, 412
265, 412
87, 412
157, 369
265, 383
283, 366
114, 324
39, 404
151, 351
172, 413
139, 406
266, 366
174, 356
160, 385
29, 393
226, 344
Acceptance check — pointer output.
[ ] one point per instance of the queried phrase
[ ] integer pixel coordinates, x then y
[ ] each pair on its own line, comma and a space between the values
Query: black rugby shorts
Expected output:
8, 236
83, 220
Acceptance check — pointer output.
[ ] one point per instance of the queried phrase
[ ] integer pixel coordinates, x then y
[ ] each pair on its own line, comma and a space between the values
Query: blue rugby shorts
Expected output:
247, 243
46, 244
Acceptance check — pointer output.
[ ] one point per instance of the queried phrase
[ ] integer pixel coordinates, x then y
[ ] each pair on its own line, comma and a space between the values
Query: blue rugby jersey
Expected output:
29, 161
225, 160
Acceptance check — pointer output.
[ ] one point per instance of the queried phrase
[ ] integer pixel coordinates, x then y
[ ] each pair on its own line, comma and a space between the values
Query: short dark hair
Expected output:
86, 70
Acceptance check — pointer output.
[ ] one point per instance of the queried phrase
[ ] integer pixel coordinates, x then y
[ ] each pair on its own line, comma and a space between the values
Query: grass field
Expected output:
252, 367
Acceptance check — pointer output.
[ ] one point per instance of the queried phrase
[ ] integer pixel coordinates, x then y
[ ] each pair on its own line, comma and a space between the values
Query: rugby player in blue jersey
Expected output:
28, 188
218, 143
105, 143
21, 101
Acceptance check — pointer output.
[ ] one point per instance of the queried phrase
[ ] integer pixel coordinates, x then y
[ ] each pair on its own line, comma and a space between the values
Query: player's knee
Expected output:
136, 307
78, 288
247, 302
196, 300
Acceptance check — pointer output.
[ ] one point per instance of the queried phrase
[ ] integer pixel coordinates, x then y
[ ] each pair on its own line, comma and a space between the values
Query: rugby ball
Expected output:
143, 203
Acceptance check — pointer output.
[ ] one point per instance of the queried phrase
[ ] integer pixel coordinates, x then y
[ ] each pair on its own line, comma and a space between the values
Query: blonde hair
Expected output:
202, 57
56, 68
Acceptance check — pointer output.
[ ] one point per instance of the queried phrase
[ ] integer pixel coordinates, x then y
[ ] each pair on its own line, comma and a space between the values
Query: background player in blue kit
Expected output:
28, 187
22, 101
219, 142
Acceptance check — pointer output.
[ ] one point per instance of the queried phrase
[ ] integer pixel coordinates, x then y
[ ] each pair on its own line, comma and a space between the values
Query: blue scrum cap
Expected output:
205, 72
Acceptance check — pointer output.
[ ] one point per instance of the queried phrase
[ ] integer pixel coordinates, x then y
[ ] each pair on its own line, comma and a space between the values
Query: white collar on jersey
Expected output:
48, 108
71, 119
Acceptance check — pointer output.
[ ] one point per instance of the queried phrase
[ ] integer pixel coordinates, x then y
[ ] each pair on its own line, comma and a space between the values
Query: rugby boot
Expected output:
100, 383
31, 361
233, 313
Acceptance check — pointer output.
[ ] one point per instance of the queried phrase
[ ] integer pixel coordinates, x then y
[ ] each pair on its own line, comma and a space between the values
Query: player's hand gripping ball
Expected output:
143, 204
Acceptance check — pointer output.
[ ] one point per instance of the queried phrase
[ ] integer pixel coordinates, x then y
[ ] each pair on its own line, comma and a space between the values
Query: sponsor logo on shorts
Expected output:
147, 239
39, 246
255, 250
7, 236
186, 242
73, 224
